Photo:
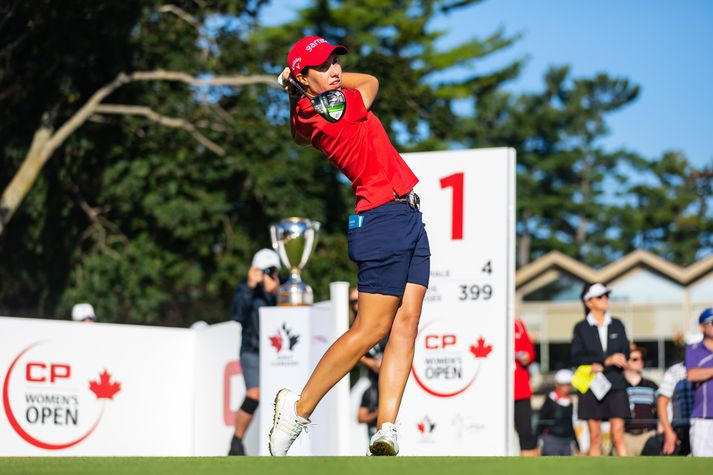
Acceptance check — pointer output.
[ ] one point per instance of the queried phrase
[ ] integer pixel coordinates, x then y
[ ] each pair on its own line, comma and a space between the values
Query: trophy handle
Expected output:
280, 250
310, 243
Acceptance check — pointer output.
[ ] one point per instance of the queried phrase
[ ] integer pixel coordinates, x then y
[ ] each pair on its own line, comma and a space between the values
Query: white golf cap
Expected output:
596, 290
266, 258
563, 376
82, 311
199, 325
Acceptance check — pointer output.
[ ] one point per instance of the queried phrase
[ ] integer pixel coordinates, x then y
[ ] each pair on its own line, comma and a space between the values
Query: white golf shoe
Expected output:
384, 441
286, 424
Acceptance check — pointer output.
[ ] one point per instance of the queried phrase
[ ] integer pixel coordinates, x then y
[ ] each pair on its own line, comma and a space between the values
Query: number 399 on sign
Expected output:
475, 292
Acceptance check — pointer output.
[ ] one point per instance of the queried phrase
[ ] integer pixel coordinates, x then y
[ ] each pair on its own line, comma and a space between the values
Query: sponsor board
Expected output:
292, 343
51, 400
114, 390
461, 375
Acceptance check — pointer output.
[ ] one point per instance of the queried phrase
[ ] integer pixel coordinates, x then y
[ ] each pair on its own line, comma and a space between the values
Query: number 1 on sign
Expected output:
455, 181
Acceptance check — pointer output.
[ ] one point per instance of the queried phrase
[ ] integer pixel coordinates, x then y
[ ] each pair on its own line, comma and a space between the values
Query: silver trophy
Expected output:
294, 239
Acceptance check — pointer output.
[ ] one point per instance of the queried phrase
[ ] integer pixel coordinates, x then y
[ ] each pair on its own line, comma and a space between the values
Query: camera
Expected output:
270, 271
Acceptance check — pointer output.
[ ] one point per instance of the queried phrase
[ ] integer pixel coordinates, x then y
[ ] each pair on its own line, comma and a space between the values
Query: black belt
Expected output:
411, 198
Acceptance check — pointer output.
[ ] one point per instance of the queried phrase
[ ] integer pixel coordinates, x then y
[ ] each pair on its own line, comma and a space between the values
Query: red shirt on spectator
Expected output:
359, 146
522, 376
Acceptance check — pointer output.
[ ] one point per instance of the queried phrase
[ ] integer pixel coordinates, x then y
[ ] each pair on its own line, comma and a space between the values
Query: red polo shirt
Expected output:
522, 375
359, 147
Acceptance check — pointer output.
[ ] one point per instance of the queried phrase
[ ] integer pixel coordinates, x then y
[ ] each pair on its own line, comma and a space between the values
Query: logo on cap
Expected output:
314, 44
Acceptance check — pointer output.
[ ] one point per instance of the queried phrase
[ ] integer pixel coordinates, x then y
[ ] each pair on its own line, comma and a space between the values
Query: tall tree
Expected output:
93, 42
54, 54
563, 172
668, 209
419, 82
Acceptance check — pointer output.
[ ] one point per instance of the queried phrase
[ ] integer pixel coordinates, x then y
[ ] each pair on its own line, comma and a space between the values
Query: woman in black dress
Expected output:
600, 341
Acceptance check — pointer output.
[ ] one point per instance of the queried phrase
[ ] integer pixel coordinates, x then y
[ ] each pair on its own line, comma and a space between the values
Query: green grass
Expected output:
355, 465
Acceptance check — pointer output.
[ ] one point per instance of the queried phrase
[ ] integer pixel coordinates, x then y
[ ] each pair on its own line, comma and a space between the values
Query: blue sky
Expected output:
663, 46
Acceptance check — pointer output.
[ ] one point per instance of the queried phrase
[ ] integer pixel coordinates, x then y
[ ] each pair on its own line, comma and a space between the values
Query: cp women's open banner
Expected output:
459, 398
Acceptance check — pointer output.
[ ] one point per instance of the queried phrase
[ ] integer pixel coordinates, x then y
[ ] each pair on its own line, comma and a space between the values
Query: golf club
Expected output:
330, 104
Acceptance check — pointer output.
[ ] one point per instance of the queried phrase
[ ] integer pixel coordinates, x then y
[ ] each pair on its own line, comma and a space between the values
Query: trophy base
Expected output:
295, 295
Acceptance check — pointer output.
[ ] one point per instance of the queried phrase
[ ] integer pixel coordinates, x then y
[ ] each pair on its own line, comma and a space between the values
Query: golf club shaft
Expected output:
297, 86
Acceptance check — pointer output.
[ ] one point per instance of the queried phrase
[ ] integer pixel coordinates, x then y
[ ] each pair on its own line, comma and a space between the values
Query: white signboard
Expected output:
219, 389
459, 398
292, 341
100, 389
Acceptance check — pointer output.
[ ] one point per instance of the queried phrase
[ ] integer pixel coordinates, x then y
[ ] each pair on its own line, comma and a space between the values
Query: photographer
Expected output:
258, 290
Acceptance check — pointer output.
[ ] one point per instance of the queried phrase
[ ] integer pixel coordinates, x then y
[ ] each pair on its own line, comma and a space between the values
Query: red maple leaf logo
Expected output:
482, 350
421, 427
276, 341
104, 388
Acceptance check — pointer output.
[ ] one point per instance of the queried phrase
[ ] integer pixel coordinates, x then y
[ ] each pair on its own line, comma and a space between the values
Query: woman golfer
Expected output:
386, 237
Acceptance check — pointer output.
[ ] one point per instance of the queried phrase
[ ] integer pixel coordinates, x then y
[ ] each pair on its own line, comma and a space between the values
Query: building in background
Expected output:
655, 299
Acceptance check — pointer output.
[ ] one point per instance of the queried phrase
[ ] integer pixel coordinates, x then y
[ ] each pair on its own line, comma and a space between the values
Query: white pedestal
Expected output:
292, 341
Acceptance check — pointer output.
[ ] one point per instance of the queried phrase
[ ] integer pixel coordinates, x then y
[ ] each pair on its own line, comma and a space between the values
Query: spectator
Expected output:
600, 341
199, 325
353, 305
369, 408
524, 356
555, 425
642, 403
258, 290
83, 312
678, 391
699, 371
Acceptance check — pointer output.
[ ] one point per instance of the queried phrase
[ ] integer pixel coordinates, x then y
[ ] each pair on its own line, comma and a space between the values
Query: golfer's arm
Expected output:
367, 85
698, 375
296, 136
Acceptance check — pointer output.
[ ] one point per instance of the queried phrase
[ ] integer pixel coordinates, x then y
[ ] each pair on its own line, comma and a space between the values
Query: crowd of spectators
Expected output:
675, 418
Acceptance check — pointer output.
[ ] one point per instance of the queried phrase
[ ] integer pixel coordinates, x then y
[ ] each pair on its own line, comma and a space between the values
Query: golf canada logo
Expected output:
284, 340
425, 427
446, 362
51, 400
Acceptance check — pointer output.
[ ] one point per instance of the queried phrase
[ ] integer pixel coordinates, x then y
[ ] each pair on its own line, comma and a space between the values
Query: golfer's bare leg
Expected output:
398, 355
373, 322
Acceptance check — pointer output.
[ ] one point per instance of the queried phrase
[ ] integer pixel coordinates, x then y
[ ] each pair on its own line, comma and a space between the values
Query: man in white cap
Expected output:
83, 312
555, 426
259, 289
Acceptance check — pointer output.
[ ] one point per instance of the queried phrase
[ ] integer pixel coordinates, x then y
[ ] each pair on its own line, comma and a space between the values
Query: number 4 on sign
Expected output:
455, 181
